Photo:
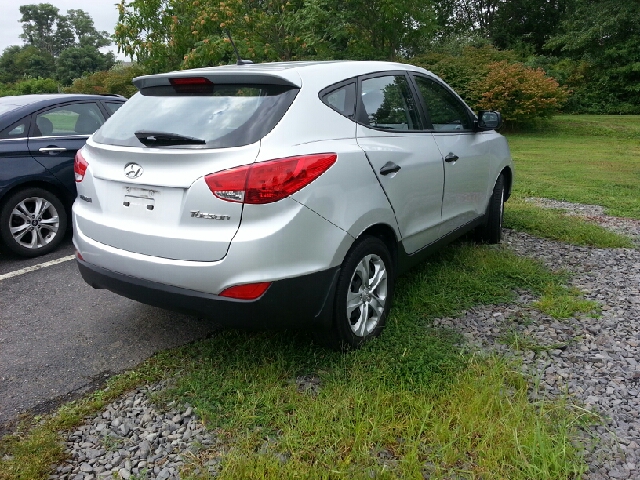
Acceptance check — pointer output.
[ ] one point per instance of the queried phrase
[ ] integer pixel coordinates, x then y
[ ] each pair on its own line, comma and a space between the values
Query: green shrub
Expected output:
118, 80
462, 70
30, 86
488, 78
520, 93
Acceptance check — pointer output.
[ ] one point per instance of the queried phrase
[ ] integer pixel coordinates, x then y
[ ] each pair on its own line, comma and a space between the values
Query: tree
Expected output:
169, 34
527, 23
511, 24
44, 28
488, 78
376, 29
155, 33
609, 45
28, 61
75, 62
84, 30
462, 17
72, 40
461, 70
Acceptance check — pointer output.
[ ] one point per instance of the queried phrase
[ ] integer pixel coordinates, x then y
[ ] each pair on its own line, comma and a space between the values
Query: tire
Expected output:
360, 311
491, 231
33, 222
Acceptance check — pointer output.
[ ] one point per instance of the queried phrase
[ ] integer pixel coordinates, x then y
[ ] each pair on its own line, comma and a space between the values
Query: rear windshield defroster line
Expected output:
226, 116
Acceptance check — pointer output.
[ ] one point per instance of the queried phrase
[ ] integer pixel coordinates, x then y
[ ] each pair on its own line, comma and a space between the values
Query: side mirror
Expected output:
488, 120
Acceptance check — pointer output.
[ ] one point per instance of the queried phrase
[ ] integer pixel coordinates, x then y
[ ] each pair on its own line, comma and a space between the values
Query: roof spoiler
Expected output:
237, 75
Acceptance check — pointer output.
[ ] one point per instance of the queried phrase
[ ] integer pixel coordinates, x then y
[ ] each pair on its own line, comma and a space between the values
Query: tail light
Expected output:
80, 167
249, 291
267, 182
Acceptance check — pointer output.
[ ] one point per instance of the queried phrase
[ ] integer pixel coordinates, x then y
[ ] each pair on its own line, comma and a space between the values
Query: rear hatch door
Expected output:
148, 163
166, 209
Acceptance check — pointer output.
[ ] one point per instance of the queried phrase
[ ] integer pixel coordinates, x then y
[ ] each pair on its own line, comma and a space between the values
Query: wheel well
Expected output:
508, 180
387, 235
64, 197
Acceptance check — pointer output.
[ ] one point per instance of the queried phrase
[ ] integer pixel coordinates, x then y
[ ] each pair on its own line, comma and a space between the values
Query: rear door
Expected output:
16, 163
403, 154
466, 154
57, 133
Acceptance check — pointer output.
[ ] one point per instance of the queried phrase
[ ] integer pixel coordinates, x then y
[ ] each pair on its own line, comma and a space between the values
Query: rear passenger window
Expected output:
342, 99
388, 104
72, 119
112, 107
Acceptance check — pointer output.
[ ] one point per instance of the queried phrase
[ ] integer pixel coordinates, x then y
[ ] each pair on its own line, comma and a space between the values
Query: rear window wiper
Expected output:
158, 139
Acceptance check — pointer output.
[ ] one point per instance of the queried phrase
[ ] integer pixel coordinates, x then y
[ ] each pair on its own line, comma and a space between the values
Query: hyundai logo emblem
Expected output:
133, 170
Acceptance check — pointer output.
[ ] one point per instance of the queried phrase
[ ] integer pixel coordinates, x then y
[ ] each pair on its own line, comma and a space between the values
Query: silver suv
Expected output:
286, 194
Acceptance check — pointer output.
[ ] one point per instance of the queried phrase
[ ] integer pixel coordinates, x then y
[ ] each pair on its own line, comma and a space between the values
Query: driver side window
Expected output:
445, 110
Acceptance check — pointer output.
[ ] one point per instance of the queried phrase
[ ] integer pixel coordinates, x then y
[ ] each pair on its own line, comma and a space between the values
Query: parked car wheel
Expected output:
491, 231
33, 222
363, 295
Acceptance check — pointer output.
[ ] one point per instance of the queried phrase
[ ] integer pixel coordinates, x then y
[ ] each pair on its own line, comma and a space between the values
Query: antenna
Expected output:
240, 60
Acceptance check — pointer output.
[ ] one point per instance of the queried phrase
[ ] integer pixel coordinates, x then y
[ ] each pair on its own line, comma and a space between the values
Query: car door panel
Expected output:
404, 157
414, 191
466, 178
58, 133
16, 164
465, 153
59, 163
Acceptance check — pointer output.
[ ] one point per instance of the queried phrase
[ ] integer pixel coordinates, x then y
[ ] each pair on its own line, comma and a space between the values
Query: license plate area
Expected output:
139, 198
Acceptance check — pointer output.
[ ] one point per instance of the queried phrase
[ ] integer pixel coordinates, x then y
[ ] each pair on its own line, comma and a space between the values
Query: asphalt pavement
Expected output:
60, 338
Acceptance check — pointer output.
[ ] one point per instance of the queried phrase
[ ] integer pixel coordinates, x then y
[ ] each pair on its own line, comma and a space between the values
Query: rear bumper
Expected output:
301, 302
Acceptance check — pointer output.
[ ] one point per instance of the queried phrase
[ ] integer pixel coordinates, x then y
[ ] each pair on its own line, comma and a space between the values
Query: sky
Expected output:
103, 12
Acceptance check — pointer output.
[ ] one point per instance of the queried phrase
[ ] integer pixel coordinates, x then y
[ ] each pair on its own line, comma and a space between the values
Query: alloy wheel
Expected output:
34, 222
367, 295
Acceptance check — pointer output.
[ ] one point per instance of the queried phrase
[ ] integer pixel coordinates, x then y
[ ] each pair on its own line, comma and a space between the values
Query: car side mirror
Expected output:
488, 120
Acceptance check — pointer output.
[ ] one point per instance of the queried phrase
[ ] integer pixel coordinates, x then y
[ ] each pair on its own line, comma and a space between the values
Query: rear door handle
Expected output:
452, 157
52, 150
388, 168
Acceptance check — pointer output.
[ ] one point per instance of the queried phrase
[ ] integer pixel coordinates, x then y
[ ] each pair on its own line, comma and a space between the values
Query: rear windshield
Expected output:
221, 116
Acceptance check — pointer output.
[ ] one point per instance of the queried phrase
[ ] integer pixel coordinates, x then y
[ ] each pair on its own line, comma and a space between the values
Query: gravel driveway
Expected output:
595, 360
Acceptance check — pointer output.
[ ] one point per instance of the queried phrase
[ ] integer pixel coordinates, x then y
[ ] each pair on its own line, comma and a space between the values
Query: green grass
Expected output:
63, 121
413, 397
565, 303
413, 394
583, 159
556, 225
608, 126
522, 341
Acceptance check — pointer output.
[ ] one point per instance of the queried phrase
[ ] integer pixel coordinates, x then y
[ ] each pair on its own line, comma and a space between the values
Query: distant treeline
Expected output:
527, 58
